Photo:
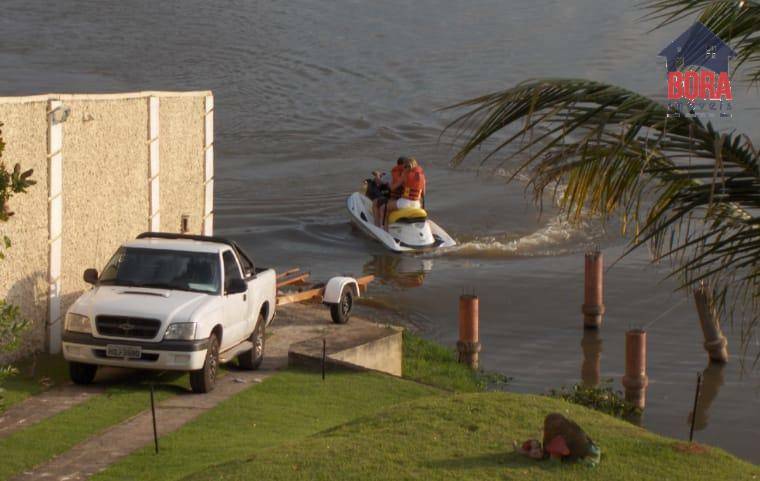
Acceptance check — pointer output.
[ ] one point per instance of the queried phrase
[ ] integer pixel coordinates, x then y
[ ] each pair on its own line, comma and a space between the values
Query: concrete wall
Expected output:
384, 354
360, 344
106, 188
182, 180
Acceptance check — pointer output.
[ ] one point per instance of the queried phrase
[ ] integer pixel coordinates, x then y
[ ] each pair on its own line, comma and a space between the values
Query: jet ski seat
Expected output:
408, 215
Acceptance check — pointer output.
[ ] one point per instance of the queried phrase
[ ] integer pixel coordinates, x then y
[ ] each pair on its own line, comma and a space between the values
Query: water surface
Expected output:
311, 96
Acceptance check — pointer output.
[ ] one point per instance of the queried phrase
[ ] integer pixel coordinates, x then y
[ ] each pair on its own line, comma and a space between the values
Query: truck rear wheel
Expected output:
341, 311
252, 359
81, 373
204, 380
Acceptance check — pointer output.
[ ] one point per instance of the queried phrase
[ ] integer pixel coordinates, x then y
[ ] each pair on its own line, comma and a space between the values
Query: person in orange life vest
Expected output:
398, 171
379, 205
413, 188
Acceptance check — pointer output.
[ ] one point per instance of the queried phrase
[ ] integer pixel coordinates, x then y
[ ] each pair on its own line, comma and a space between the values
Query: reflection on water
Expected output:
712, 380
592, 356
591, 376
398, 270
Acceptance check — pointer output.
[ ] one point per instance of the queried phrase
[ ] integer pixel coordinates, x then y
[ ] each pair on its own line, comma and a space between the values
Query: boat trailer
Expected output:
338, 293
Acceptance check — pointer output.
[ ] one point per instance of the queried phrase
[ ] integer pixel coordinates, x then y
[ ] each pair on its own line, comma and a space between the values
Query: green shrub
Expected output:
12, 182
601, 398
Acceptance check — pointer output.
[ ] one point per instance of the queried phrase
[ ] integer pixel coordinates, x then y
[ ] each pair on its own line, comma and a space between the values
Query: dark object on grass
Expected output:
153, 412
576, 442
557, 448
563, 441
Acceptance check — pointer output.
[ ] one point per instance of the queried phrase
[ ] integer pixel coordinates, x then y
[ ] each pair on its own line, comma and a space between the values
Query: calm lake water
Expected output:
312, 95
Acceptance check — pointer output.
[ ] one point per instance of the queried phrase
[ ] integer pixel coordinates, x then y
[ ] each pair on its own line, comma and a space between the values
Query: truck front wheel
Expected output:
251, 360
203, 380
82, 373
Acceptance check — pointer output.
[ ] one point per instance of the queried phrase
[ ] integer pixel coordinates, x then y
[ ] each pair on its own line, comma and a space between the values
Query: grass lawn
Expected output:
288, 406
468, 437
431, 363
16, 388
39, 442
36, 374
366, 426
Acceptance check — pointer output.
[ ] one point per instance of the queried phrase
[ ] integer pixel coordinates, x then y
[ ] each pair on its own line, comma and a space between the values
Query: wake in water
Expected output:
557, 237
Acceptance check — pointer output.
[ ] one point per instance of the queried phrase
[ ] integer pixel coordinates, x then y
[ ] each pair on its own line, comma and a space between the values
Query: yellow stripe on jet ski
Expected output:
409, 212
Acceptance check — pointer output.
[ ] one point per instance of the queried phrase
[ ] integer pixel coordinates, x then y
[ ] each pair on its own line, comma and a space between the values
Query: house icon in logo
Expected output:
697, 73
698, 47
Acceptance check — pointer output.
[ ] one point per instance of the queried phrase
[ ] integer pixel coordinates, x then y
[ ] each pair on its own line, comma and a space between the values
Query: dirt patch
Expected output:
690, 448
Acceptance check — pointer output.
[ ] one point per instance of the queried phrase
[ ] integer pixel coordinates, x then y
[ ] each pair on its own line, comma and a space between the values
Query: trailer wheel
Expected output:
341, 311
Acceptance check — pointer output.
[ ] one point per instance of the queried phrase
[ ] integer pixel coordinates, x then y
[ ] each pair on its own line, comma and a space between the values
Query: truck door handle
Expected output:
245, 297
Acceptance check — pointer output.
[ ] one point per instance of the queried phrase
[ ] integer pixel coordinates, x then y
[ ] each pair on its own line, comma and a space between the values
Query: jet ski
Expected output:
409, 229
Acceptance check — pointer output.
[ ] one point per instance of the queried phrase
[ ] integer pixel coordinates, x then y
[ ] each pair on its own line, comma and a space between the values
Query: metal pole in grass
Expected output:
153, 412
324, 354
696, 400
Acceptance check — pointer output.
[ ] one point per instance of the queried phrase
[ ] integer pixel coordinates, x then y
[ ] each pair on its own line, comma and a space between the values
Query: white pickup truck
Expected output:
171, 302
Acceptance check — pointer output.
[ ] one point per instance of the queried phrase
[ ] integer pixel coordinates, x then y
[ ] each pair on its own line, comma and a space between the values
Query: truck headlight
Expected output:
184, 331
77, 323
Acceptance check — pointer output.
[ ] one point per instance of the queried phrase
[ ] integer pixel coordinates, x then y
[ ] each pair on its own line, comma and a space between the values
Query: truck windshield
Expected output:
163, 269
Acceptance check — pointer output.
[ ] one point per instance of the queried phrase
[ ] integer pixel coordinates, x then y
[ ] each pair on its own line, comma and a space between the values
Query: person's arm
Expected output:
424, 190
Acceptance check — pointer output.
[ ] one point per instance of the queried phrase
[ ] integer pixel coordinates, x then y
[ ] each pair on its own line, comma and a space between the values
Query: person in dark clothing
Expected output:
378, 191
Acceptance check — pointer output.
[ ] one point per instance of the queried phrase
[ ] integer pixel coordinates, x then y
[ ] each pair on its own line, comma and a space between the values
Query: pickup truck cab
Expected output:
171, 302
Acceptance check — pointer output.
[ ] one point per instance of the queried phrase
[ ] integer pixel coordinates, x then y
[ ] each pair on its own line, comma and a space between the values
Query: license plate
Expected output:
124, 352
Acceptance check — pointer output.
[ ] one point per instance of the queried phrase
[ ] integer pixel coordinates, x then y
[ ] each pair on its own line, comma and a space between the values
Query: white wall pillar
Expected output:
153, 129
208, 201
55, 223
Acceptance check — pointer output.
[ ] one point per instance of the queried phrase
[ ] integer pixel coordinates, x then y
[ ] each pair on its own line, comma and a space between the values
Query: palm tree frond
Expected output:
689, 191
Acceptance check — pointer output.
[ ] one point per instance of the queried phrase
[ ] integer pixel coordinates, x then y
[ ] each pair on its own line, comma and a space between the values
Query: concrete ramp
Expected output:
357, 345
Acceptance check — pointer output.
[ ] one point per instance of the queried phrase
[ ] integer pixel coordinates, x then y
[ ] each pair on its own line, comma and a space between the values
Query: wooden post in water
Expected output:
635, 380
593, 298
468, 345
716, 344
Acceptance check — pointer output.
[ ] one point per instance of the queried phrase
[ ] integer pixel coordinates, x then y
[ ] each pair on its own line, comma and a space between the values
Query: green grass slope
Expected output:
431, 363
469, 437
288, 406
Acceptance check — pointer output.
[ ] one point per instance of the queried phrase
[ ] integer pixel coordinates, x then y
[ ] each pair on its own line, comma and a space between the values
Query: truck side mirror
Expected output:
237, 286
91, 276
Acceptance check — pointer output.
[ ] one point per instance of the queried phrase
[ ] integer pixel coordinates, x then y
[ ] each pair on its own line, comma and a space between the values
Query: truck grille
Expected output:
122, 326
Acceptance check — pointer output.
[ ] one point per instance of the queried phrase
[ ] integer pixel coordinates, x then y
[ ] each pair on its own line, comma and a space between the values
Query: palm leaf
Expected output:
689, 191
